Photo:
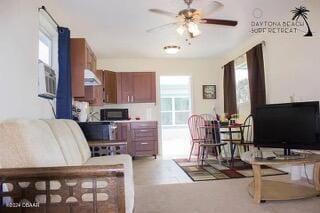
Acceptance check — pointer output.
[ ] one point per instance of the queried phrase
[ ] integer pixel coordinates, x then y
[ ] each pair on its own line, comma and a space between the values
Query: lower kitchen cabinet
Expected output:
142, 137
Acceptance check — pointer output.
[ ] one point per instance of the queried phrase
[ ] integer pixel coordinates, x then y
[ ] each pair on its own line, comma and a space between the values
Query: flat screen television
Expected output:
288, 126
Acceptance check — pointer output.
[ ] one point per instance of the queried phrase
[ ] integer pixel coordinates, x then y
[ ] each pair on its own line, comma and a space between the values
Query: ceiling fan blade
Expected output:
162, 26
211, 7
219, 22
163, 12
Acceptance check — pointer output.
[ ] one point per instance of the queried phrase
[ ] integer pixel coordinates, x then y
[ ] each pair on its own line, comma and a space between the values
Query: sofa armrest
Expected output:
63, 189
64, 171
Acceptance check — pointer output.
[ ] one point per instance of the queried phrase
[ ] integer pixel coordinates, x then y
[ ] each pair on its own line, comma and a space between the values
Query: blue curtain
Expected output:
64, 95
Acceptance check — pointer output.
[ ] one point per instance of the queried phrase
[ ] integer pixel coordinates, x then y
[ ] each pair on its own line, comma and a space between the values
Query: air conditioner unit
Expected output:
46, 81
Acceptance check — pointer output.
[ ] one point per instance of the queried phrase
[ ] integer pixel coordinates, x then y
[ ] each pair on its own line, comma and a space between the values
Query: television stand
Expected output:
263, 190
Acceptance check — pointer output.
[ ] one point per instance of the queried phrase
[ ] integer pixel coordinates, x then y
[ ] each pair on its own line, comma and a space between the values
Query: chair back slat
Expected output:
216, 131
213, 135
208, 117
195, 122
248, 129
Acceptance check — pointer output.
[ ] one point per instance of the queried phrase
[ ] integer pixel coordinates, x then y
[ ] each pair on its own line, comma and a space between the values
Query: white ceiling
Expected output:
117, 28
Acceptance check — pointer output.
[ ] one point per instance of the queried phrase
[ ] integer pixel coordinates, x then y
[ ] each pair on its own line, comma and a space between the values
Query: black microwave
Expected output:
114, 114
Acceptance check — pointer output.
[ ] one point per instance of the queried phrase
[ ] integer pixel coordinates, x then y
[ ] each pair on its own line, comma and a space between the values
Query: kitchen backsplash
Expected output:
145, 111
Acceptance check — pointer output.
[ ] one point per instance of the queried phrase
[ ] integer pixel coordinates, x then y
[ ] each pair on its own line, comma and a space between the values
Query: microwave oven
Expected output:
114, 114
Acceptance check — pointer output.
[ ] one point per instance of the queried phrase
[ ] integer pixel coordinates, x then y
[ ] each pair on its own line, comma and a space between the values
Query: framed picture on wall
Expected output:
209, 91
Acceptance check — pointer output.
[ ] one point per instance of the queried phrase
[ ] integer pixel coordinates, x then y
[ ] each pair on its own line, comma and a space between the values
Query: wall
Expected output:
19, 23
292, 62
202, 71
292, 65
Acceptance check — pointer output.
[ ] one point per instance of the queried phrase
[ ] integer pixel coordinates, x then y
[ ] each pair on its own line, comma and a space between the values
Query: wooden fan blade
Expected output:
163, 12
162, 26
219, 22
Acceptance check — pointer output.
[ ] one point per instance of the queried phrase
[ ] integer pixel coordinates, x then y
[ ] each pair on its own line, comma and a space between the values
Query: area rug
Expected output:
215, 170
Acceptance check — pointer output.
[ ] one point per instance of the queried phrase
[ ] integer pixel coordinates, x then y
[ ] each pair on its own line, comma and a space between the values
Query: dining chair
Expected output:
212, 141
197, 134
208, 117
246, 136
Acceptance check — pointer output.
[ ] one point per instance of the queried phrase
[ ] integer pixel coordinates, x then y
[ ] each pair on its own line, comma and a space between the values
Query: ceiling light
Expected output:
194, 29
173, 49
181, 30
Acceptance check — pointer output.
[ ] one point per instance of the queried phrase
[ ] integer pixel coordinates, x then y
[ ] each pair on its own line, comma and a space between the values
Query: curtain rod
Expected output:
45, 9
262, 42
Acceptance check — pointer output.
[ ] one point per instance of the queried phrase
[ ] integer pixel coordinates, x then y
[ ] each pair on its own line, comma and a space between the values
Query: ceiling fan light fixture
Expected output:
172, 49
181, 30
193, 29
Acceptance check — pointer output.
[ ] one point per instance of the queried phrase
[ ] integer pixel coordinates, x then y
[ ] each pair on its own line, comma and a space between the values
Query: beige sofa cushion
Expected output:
28, 143
128, 174
66, 141
80, 139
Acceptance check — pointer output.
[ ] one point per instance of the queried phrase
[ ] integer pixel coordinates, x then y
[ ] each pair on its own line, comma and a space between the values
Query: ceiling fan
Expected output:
187, 20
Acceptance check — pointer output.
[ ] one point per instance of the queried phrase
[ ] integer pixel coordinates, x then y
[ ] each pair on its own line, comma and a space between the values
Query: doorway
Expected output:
176, 107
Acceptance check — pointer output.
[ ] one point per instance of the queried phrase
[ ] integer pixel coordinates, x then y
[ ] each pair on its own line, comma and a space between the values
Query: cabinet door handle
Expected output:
143, 130
107, 98
132, 98
128, 99
144, 143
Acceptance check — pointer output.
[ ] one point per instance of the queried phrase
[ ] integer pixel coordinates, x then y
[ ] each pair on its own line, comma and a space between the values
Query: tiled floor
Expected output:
150, 171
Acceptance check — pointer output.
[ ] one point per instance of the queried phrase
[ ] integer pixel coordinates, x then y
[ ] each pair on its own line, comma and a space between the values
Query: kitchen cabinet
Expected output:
124, 87
144, 138
94, 94
141, 137
98, 91
110, 87
122, 131
136, 87
82, 57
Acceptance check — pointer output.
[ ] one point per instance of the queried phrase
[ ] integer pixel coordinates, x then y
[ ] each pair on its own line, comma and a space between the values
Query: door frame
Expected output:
158, 86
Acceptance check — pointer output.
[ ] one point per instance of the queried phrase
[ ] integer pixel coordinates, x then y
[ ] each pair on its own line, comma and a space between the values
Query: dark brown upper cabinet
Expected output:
136, 87
82, 57
110, 87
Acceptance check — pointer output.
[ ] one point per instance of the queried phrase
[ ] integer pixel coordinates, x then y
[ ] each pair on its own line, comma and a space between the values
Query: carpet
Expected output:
227, 196
213, 170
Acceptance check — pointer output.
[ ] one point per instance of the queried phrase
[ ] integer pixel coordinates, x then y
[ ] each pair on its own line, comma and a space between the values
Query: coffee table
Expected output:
263, 190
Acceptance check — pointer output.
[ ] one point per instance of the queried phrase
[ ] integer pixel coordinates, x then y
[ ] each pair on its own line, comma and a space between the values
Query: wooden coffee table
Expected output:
263, 190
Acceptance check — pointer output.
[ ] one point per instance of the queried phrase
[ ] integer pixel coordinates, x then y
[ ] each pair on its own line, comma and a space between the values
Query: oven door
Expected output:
114, 114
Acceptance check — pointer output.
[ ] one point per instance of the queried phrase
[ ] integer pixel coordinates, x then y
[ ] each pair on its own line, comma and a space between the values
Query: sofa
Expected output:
46, 166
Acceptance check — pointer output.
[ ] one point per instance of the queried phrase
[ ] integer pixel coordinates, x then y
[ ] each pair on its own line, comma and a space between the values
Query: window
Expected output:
175, 110
48, 41
45, 48
242, 85
175, 100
